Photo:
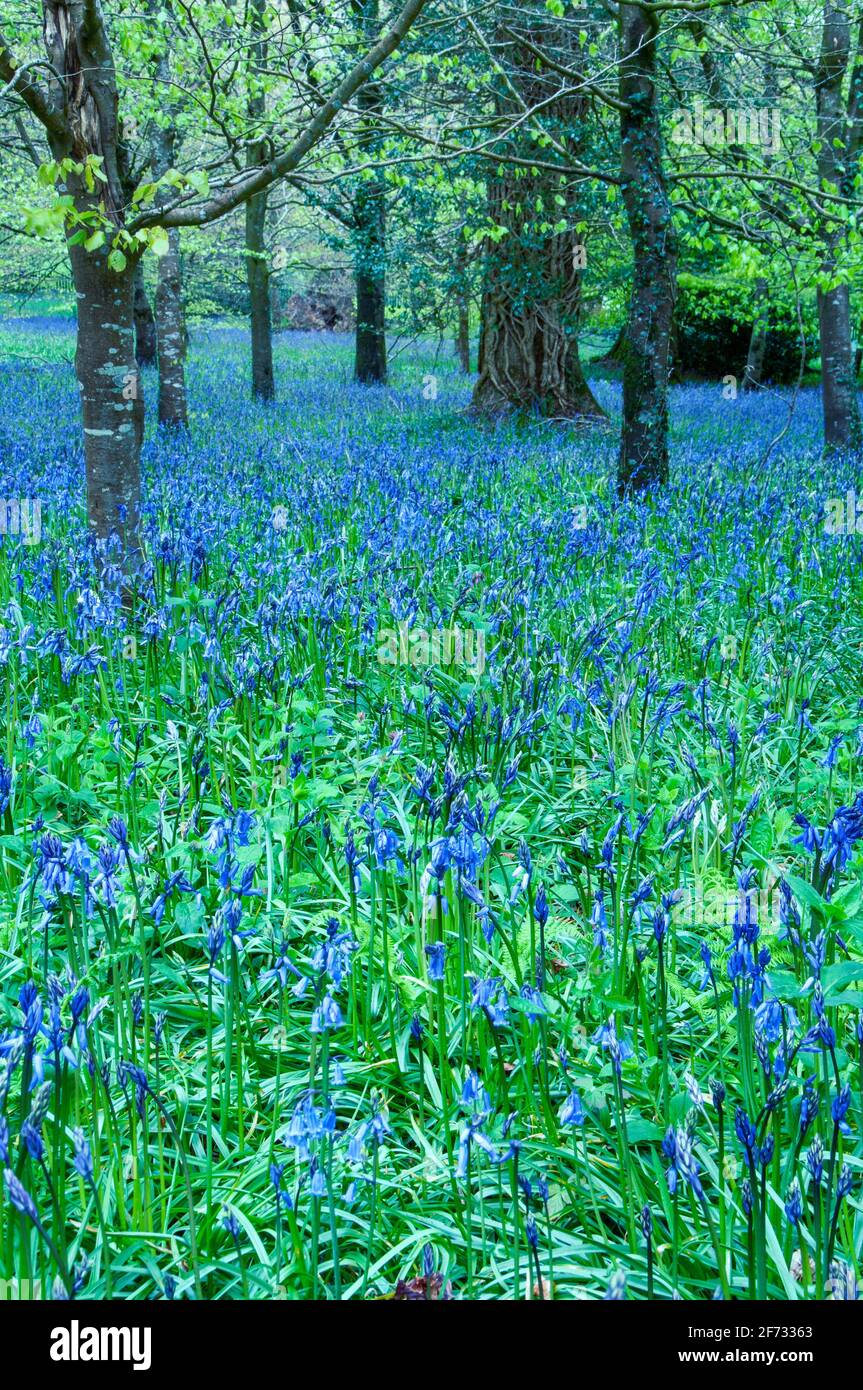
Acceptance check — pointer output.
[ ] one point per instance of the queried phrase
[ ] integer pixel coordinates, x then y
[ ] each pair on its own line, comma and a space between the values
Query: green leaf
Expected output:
805, 893
159, 243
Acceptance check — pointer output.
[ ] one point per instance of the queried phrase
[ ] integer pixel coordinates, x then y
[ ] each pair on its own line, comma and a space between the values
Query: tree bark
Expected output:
258, 274
370, 228
171, 334
643, 460
170, 314
82, 124
145, 324
112, 402
276, 309
532, 275
462, 338
257, 264
614, 356
843, 428
753, 373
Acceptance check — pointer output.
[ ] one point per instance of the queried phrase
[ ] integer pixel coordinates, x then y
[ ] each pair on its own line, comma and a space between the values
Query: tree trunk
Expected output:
276, 311
170, 315
753, 373
532, 275
462, 338
258, 273
614, 356
643, 460
112, 402
257, 264
171, 334
483, 320
145, 324
370, 229
462, 343
842, 423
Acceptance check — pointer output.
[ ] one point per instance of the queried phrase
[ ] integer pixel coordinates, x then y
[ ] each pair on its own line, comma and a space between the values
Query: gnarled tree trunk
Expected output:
532, 275
643, 460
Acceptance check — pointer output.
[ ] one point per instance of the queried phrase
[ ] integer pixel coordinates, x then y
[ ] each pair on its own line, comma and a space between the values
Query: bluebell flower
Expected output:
490, 996
118, 831
684, 1163
436, 953
618, 1049
83, 1159
707, 976
282, 968
794, 1204
536, 1004
642, 892
839, 1110
808, 1105
531, 1232
326, 1017
745, 1131
230, 1223
19, 1196
815, 1160
572, 1110
474, 1095
599, 922
810, 838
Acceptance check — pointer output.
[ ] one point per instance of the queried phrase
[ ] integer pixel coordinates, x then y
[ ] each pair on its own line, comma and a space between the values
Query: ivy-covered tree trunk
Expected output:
257, 263
533, 267
842, 422
145, 324
370, 227
643, 460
